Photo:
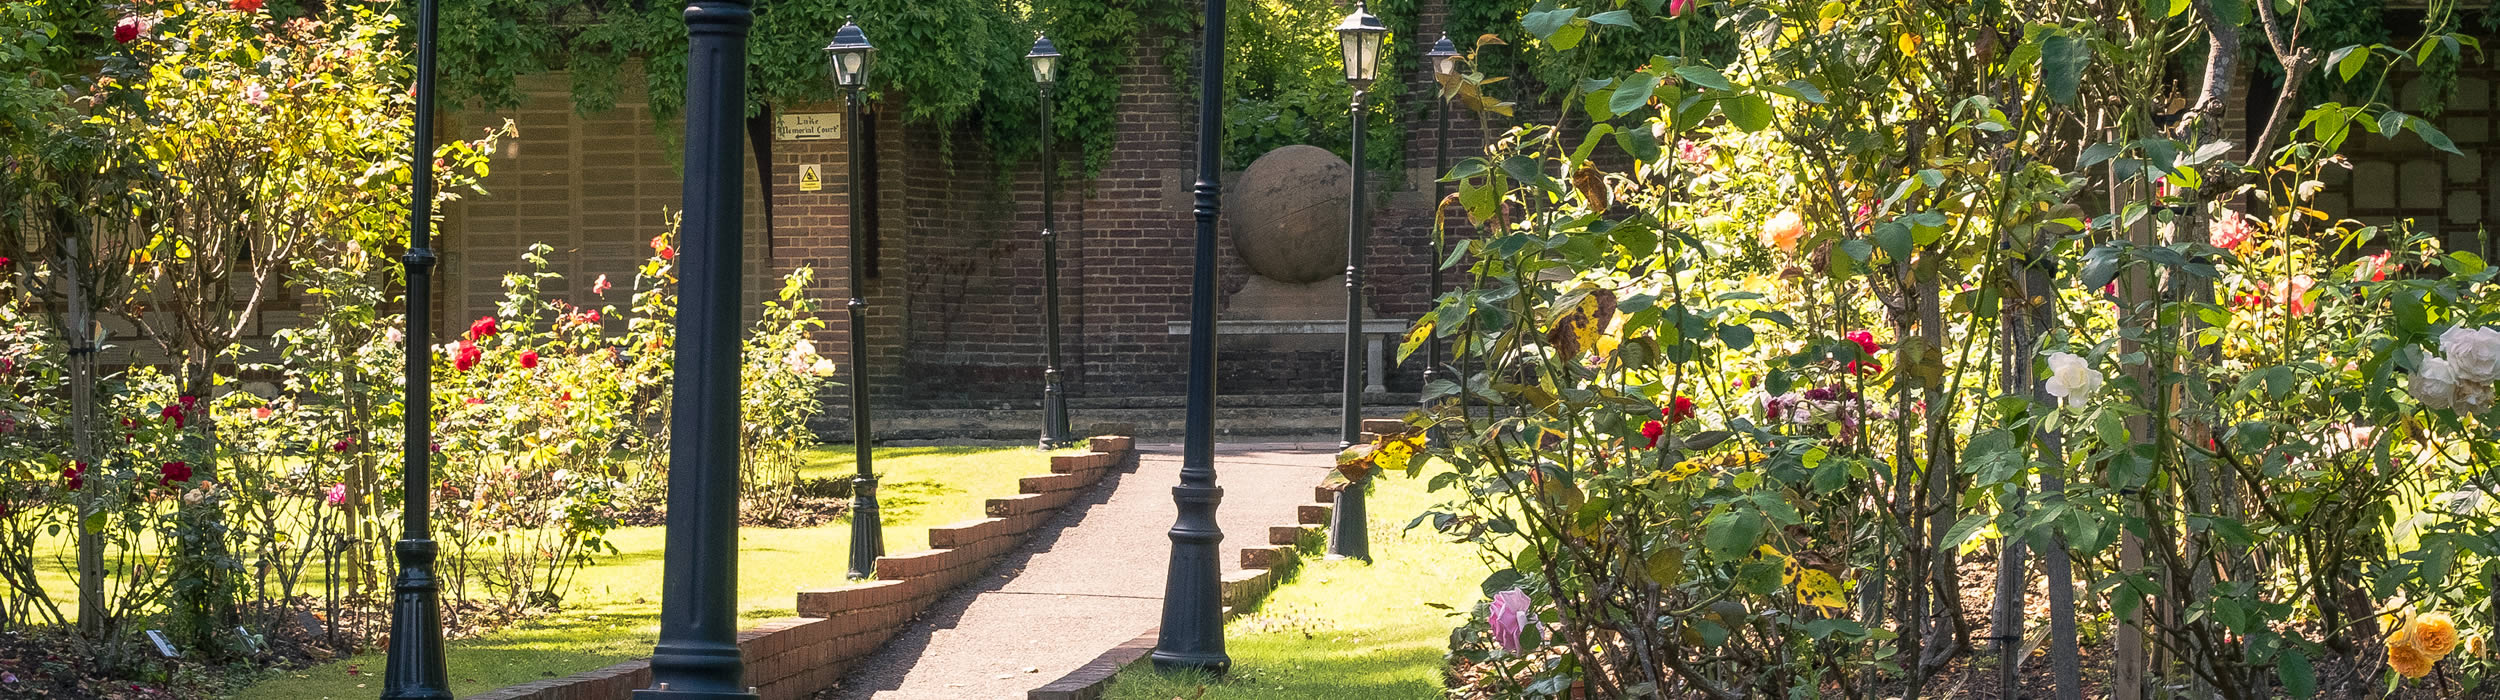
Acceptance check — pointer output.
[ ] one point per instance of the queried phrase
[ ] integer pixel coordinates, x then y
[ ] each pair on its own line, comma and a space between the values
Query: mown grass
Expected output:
1345, 629
613, 610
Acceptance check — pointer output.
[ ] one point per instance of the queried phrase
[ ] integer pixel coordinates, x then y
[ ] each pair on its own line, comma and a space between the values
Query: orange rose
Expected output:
1783, 230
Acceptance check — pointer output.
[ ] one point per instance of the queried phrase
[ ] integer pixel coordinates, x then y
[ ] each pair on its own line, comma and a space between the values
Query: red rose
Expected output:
466, 355
244, 5
484, 328
1653, 430
75, 475
172, 472
1866, 342
172, 412
660, 247
128, 29
529, 359
343, 445
1679, 410
600, 287
7, 365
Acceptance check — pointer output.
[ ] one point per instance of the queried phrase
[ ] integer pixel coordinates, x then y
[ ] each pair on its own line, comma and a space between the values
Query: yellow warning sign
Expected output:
811, 178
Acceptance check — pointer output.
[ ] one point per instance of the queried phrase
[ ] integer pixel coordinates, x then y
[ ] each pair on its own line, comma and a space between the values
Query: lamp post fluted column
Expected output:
416, 668
1055, 433
697, 654
1361, 34
1347, 521
851, 55
1444, 56
1192, 635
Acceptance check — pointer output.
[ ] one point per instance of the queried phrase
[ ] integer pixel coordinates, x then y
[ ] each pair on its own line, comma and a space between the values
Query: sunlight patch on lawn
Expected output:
1343, 629
613, 610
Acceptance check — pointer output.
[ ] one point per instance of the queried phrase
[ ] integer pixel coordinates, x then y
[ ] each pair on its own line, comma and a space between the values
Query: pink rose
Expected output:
337, 495
1506, 616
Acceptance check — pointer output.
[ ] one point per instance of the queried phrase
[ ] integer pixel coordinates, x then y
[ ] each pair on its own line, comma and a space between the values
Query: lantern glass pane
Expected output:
1353, 55
851, 61
1043, 68
1371, 54
1445, 65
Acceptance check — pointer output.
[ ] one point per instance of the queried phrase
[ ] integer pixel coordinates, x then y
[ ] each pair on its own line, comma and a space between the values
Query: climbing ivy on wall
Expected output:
1605, 51
954, 61
1097, 39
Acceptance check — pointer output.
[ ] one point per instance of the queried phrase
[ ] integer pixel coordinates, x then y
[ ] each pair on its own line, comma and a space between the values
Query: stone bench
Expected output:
1378, 333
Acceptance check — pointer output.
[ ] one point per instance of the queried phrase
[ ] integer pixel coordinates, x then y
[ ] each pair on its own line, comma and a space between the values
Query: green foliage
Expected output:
1285, 82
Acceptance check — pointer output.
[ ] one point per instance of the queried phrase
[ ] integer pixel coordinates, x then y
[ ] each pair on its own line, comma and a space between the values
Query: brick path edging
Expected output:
792, 658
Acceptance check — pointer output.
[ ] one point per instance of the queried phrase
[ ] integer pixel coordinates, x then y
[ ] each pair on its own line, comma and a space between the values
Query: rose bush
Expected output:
1993, 318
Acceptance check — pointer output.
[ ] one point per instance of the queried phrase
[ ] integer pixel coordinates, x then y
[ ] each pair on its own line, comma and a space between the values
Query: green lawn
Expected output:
1344, 629
613, 611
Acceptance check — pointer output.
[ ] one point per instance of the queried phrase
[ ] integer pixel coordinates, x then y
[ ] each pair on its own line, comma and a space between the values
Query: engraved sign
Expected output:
816, 126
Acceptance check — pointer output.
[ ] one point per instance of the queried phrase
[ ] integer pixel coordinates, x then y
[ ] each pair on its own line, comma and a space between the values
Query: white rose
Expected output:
2072, 379
2436, 384
2474, 351
2473, 397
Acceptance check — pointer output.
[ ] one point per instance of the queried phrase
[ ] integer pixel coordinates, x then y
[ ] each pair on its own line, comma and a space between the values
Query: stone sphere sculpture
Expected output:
1289, 215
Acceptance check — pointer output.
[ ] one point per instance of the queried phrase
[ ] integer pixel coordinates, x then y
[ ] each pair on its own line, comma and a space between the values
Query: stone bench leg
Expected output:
1376, 372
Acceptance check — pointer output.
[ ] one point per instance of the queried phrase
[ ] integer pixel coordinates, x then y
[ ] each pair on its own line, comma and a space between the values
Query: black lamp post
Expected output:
1192, 635
697, 654
415, 668
1361, 33
851, 57
1444, 56
1045, 60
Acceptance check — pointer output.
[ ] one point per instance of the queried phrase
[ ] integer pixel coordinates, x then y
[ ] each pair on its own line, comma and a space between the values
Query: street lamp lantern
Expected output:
1045, 60
1444, 56
851, 55
1361, 34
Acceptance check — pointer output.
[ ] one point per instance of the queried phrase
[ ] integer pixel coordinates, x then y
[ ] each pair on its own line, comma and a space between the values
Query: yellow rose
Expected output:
2408, 661
2434, 634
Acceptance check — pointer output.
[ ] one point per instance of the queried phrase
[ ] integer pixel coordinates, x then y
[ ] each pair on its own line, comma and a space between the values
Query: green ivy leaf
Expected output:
1704, 76
1894, 239
1633, 92
1730, 536
1544, 24
2431, 134
1749, 112
2062, 60
1619, 18
2299, 678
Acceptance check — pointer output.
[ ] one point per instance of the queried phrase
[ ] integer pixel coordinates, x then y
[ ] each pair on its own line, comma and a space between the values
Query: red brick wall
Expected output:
954, 311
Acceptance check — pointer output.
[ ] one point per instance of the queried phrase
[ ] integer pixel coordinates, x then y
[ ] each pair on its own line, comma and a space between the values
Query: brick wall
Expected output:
793, 658
954, 307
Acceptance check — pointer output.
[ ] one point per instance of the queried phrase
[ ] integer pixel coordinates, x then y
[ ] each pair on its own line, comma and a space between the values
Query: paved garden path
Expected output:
1087, 581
